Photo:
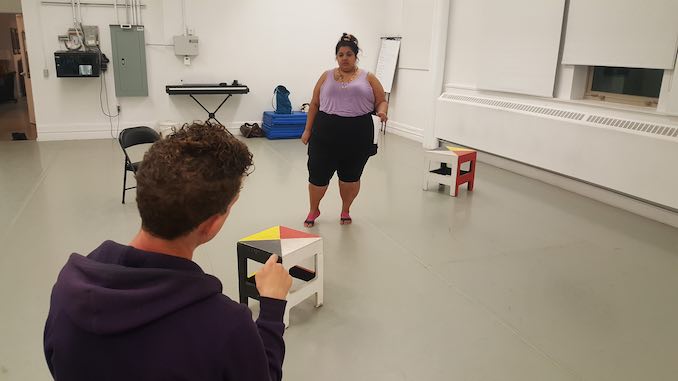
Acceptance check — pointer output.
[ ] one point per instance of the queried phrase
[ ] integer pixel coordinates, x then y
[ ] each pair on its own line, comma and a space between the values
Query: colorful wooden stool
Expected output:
443, 166
292, 247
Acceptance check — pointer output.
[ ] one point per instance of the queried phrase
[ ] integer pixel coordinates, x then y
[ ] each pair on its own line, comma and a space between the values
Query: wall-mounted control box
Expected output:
78, 63
186, 45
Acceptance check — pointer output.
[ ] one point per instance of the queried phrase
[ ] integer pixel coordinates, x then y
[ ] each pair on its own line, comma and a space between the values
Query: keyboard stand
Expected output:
211, 115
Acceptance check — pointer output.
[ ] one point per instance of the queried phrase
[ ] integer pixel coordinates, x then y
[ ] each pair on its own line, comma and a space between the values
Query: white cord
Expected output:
75, 20
75, 25
140, 21
127, 11
115, 9
183, 17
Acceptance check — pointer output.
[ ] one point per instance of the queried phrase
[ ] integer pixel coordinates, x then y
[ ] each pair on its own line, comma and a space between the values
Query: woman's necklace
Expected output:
344, 83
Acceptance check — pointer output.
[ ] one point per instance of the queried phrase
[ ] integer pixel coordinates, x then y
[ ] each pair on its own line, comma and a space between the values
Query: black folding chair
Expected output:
131, 137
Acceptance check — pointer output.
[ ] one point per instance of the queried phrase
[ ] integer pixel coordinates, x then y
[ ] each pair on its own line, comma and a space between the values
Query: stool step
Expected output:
448, 172
296, 272
445, 171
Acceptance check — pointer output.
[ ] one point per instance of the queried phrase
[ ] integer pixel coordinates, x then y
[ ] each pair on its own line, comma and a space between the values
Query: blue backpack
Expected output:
281, 97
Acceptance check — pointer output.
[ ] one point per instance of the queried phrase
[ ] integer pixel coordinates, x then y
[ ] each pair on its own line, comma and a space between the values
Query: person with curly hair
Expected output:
146, 311
339, 129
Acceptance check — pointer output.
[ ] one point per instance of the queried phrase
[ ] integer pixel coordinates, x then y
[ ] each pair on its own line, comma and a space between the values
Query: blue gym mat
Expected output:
284, 126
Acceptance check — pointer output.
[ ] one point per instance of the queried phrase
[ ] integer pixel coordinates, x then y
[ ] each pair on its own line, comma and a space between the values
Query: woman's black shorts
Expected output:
341, 144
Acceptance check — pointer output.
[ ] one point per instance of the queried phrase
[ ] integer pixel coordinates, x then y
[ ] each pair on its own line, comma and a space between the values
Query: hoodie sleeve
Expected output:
258, 350
47, 345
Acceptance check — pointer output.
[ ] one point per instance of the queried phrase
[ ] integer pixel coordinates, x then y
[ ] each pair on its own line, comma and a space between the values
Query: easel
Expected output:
386, 66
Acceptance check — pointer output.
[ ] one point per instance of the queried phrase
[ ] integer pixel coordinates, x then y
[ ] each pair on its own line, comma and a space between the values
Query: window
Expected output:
624, 85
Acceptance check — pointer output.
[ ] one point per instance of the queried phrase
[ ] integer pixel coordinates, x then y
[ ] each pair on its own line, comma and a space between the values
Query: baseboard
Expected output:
621, 201
50, 132
406, 131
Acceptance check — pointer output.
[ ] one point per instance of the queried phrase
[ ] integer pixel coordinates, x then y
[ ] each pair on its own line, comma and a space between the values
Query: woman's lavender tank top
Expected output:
355, 99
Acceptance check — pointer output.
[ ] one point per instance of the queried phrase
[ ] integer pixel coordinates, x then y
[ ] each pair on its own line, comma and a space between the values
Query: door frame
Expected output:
31, 132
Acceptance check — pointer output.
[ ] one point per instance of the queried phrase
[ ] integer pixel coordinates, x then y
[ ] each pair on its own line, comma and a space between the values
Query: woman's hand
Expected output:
306, 136
382, 116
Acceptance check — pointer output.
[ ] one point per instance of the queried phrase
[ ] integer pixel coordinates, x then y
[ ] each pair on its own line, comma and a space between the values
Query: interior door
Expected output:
32, 132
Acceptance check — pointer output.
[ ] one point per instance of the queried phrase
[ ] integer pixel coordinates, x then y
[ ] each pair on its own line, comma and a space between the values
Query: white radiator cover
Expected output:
629, 156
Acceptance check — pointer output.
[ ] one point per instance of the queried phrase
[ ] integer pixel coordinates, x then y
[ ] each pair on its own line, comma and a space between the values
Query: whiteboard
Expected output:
386, 63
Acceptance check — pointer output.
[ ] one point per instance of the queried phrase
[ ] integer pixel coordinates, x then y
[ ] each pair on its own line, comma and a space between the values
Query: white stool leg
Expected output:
319, 263
454, 164
427, 168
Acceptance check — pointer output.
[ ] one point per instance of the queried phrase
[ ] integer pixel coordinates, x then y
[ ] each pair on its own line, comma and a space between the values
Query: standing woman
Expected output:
339, 129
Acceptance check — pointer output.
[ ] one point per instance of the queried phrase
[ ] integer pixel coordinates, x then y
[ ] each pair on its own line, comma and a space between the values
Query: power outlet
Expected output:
45, 73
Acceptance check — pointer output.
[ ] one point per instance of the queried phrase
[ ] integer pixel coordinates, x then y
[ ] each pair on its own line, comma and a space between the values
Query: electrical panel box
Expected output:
186, 45
129, 60
78, 63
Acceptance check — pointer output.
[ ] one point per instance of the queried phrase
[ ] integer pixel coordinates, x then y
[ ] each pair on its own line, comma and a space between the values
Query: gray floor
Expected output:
517, 280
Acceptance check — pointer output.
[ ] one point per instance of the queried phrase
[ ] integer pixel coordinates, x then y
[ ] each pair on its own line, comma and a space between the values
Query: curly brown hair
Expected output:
188, 177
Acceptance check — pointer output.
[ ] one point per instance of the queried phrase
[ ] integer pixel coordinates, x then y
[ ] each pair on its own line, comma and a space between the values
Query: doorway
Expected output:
17, 114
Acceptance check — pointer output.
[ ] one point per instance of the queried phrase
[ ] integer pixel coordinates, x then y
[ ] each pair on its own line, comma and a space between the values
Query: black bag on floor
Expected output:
251, 130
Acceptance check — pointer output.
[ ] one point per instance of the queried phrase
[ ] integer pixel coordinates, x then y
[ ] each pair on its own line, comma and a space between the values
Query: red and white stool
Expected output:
444, 166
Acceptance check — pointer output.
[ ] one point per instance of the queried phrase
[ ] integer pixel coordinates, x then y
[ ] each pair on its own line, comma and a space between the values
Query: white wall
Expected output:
408, 114
461, 67
642, 34
417, 31
262, 43
464, 69
504, 46
410, 100
10, 6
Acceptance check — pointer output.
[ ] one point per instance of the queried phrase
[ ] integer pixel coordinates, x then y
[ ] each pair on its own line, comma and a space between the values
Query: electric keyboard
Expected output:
197, 89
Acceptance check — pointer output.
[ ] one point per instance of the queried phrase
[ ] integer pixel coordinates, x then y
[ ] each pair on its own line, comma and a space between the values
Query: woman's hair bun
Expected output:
349, 38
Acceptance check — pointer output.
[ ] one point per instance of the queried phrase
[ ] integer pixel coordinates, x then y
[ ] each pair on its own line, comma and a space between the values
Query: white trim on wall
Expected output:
406, 131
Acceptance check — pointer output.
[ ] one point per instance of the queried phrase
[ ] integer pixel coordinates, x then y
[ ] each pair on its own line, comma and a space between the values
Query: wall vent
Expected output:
598, 120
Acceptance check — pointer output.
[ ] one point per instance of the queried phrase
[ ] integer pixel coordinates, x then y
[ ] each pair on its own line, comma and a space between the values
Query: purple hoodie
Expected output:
127, 314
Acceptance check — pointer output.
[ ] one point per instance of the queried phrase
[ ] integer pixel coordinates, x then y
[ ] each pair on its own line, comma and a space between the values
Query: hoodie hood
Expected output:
118, 288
